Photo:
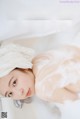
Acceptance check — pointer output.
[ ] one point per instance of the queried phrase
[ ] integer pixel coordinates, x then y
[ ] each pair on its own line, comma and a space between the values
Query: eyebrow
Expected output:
9, 85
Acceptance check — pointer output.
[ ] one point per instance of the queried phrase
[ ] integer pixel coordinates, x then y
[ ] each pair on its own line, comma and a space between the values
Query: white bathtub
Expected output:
42, 30
37, 110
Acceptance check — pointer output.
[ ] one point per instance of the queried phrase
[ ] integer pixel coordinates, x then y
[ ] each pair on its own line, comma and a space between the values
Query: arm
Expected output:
62, 94
75, 88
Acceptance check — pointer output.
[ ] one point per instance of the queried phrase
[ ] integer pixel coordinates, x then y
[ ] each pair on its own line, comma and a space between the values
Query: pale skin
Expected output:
23, 80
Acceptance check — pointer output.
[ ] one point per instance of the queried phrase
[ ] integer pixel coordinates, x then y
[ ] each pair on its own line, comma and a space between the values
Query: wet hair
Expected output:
23, 70
19, 103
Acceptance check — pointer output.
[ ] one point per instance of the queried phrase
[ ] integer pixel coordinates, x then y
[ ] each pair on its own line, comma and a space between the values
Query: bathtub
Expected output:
37, 109
32, 27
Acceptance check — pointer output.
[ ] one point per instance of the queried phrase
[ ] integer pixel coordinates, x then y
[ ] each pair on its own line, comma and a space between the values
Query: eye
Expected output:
14, 83
10, 94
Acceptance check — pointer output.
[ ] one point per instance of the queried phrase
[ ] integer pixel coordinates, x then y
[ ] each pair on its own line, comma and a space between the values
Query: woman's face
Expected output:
18, 84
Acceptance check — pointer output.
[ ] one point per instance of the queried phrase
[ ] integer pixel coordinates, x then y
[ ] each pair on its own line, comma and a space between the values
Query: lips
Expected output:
29, 92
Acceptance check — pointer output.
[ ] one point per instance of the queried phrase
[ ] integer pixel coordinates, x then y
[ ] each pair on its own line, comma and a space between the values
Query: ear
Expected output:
19, 103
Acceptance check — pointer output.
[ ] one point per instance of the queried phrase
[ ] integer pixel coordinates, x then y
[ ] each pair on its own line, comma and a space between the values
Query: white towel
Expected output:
15, 56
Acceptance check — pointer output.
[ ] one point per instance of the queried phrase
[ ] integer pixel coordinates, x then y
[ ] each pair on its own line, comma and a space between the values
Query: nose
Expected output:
21, 91
18, 92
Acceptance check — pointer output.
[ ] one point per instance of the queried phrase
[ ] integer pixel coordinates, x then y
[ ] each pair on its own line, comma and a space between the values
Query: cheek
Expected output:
24, 82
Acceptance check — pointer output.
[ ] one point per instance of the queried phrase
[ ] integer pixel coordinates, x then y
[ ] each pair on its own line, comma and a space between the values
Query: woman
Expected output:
54, 76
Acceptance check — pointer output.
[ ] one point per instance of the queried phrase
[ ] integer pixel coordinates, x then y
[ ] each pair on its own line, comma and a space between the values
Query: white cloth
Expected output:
15, 56
54, 70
